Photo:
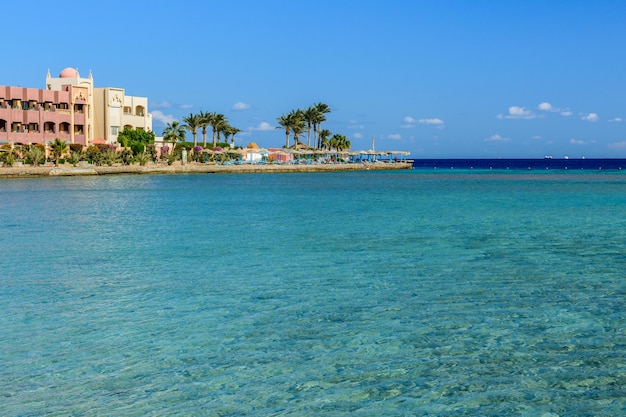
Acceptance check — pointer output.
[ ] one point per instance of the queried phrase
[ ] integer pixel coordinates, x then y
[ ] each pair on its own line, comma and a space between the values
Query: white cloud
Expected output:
262, 127
536, 137
496, 138
161, 105
615, 120
517, 112
394, 136
618, 145
436, 122
591, 117
545, 106
163, 118
576, 141
409, 122
353, 124
357, 135
241, 106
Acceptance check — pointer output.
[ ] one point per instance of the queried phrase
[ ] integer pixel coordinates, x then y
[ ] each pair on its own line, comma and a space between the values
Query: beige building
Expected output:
107, 110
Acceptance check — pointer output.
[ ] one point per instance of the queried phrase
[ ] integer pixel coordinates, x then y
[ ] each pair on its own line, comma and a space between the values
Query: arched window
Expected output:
140, 111
48, 127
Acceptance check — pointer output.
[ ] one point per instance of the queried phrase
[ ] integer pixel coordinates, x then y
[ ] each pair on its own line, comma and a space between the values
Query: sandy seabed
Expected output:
191, 168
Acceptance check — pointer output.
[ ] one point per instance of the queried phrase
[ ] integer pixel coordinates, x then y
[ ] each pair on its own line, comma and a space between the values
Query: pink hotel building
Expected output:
69, 108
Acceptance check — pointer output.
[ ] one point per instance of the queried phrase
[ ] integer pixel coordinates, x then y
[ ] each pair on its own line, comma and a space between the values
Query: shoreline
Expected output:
190, 168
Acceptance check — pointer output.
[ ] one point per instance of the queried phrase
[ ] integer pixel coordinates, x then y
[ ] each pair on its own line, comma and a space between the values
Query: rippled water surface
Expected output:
368, 294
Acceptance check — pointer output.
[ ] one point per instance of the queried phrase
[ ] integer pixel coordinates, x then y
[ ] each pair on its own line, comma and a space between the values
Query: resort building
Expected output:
69, 108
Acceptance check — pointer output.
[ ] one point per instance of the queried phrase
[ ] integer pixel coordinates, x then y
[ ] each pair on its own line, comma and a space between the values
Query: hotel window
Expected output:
33, 127
3, 125
78, 108
115, 130
32, 105
78, 129
16, 127
64, 106
3, 105
47, 106
127, 110
16, 104
64, 128
48, 127
139, 111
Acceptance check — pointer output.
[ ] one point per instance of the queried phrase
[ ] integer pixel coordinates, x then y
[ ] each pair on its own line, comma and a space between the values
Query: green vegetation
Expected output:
36, 154
7, 155
192, 123
74, 158
294, 123
57, 150
136, 140
143, 158
173, 133
297, 121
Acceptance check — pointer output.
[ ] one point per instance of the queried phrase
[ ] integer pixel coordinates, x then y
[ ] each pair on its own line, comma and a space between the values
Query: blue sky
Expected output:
437, 78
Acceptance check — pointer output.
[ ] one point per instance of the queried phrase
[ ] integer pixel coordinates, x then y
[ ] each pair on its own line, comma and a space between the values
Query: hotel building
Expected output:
69, 108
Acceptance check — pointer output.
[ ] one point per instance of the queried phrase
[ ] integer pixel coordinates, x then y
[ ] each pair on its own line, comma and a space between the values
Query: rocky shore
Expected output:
191, 168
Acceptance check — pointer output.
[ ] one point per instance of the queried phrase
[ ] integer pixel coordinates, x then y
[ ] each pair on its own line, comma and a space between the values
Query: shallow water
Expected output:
366, 293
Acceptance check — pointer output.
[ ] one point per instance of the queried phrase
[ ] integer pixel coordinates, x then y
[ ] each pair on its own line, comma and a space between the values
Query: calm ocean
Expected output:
416, 293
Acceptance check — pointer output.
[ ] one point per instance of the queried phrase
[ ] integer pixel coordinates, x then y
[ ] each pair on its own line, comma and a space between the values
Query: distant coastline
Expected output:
69, 170
518, 164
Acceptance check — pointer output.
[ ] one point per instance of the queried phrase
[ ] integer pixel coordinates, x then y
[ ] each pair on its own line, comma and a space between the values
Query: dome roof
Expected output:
68, 73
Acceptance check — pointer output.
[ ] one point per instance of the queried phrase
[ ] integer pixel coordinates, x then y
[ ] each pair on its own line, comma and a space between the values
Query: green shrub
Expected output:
76, 147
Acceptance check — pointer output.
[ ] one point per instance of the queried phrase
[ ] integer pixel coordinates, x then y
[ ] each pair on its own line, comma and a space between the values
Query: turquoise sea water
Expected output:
321, 294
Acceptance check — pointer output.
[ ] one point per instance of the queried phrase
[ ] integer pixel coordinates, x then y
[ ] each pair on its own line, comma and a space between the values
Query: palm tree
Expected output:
174, 132
322, 110
223, 128
311, 114
192, 123
57, 148
205, 120
232, 131
217, 122
297, 125
339, 142
324, 135
285, 123
36, 154
318, 118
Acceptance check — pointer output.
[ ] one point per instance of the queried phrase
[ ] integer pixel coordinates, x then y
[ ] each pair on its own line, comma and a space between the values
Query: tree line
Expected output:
295, 123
